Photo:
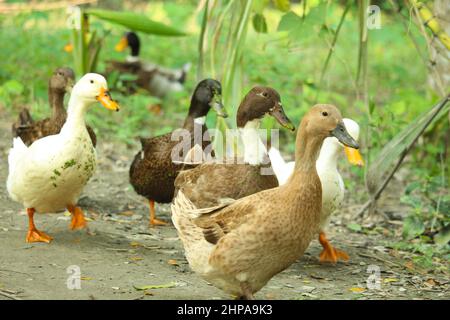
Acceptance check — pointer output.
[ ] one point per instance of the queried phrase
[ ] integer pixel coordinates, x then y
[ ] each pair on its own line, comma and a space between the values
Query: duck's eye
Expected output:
324, 113
92, 81
265, 95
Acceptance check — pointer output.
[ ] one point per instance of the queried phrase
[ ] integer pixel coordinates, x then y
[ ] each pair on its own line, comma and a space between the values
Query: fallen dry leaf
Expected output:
357, 290
173, 262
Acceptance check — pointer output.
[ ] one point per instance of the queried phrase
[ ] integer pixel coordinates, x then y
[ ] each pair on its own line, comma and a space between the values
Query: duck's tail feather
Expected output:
17, 152
184, 71
278, 163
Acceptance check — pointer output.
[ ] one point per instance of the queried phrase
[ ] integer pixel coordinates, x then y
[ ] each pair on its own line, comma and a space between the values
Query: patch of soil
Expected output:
121, 253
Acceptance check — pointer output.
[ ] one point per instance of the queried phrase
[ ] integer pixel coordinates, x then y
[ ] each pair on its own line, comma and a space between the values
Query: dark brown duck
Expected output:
153, 172
215, 183
29, 130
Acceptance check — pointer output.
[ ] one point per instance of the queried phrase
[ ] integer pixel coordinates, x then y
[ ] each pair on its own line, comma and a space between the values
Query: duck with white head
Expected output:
50, 174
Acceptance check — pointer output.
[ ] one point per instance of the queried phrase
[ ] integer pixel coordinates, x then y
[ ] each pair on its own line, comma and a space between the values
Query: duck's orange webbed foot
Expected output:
33, 234
153, 220
329, 253
78, 220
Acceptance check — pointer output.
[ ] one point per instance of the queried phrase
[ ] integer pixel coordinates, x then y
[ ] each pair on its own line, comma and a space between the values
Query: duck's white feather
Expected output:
333, 187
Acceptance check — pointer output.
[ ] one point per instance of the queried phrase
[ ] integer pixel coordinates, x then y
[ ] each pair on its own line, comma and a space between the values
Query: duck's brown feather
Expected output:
210, 184
152, 172
30, 131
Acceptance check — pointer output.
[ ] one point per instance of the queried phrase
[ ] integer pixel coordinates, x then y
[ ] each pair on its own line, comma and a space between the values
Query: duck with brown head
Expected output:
60, 83
215, 183
241, 246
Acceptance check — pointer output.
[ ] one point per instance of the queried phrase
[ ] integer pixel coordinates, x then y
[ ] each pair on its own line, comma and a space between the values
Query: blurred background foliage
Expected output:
310, 51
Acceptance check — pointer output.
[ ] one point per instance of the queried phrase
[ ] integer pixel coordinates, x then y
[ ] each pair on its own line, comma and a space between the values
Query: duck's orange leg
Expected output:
78, 220
329, 253
34, 235
153, 220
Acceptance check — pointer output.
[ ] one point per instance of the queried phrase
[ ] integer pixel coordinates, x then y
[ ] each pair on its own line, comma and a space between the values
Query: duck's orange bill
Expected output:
68, 47
105, 99
353, 156
121, 45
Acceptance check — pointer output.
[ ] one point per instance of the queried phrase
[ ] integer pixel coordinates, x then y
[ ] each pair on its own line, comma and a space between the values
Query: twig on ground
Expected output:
9, 295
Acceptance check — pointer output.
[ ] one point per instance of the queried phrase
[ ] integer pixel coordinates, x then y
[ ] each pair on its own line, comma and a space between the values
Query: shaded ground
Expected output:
122, 253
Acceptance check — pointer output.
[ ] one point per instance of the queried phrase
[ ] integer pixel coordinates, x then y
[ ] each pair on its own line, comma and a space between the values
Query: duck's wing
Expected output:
37, 130
221, 221
208, 186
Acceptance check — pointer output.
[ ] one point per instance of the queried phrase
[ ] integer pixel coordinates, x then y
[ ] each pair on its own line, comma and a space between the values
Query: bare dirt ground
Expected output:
122, 255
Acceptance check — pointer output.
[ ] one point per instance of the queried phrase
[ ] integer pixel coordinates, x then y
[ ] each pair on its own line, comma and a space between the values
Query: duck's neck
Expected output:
306, 151
328, 155
197, 113
254, 148
75, 114
56, 99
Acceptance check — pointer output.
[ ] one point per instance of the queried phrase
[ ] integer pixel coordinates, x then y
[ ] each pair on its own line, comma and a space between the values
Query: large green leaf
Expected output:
259, 23
396, 148
136, 22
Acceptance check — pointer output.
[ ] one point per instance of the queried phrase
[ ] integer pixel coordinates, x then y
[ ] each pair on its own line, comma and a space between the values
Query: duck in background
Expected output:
29, 130
157, 80
215, 183
153, 171
51, 173
333, 187
240, 247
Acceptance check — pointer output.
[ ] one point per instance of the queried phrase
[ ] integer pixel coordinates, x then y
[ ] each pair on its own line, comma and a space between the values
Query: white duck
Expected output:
50, 174
332, 184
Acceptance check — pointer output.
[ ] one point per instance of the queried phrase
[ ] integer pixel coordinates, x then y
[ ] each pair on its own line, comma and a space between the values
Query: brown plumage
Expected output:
153, 171
212, 184
241, 246
29, 130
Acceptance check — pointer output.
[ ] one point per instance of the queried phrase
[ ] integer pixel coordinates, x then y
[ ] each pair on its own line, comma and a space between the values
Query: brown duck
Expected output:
29, 130
213, 183
153, 170
240, 247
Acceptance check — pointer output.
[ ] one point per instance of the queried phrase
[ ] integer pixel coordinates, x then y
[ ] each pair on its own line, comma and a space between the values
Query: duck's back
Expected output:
210, 184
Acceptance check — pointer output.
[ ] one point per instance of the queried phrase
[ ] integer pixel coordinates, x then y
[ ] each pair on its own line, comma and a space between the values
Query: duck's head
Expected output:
325, 120
92, 87
129, 39
62, 80
259, 102
332, 147
207, 95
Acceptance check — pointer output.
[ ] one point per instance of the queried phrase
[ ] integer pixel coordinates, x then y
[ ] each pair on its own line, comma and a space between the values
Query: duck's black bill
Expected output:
281, 117
340, 132
218, 106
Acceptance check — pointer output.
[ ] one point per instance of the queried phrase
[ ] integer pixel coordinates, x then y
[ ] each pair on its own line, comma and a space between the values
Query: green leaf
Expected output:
259, 5
259, 23
394, 150
282, 5
289, 21
354, 227
136, 22
412, 227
